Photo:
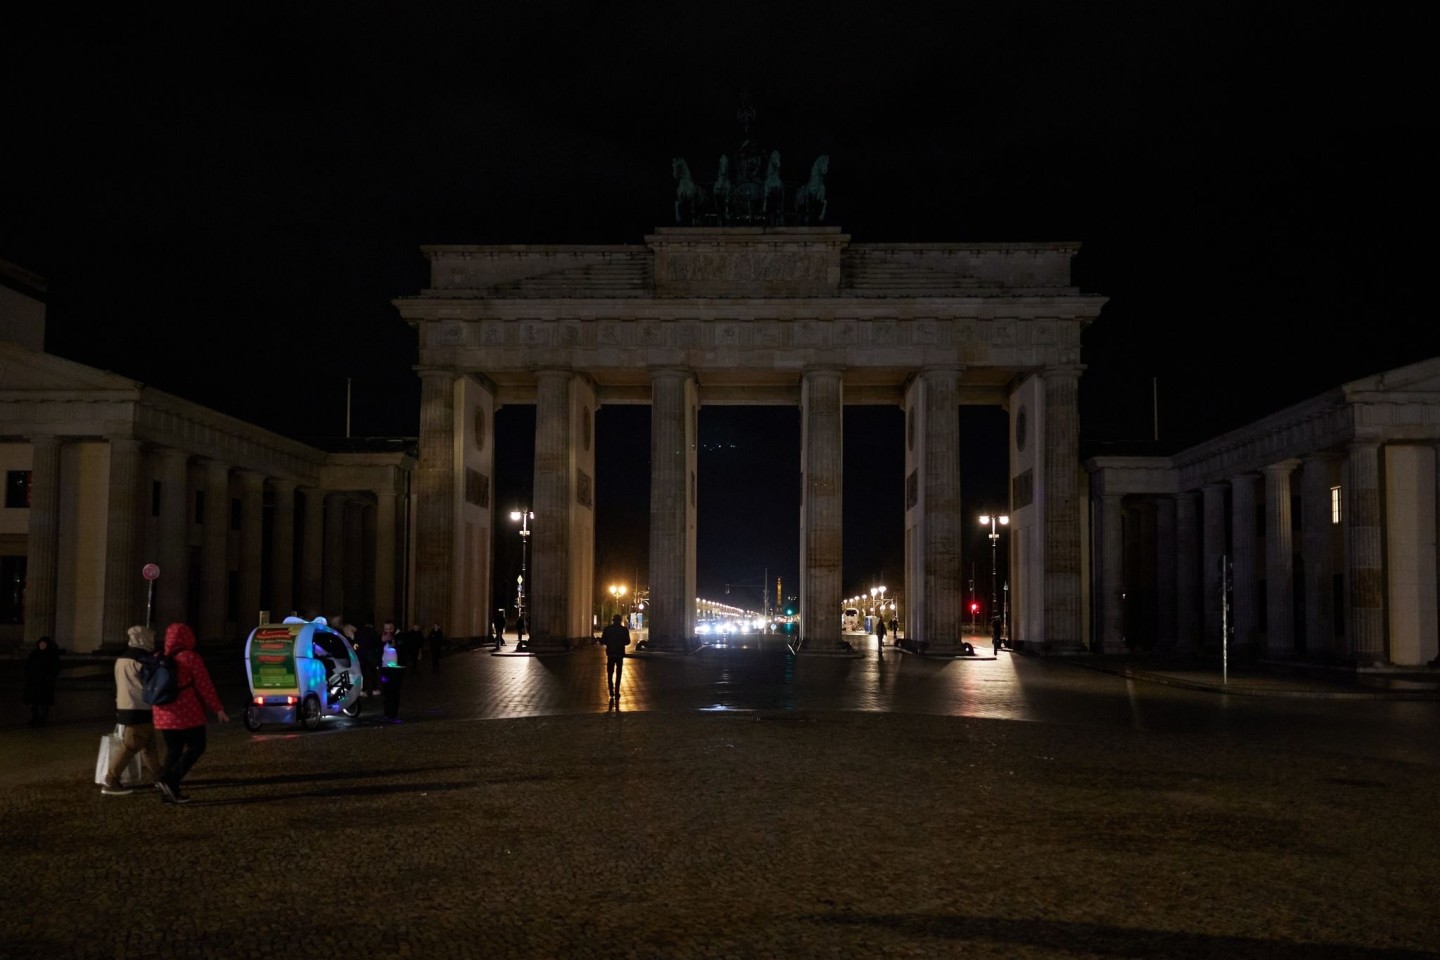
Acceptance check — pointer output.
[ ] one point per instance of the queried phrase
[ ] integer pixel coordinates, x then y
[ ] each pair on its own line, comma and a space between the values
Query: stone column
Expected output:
1188, 615
934, 585
1317, 541
122, 567
673, 412
214, 570
172, 590
43, 550
550, 531
1112, 575
353, 566
822, 456
282, 549
332, 583
312, 556
1064, 625
1363, 555
1165, 571
1213, 506
386, 550
435, 500
1408, 516
1279, 561
252, 523
1245, 588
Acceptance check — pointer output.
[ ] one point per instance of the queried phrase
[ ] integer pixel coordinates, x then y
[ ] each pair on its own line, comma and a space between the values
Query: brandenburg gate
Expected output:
771, 315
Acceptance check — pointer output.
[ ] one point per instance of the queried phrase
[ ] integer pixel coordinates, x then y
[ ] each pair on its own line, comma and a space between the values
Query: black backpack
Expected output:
159, 679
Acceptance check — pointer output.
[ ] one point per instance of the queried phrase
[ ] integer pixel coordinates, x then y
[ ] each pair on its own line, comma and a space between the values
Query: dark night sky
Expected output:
213, 202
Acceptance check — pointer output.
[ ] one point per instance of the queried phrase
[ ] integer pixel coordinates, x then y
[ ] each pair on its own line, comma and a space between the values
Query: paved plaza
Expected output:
746, 804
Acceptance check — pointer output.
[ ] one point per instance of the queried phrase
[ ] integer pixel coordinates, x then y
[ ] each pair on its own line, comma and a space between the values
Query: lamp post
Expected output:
617, 592
987, 519
523, 517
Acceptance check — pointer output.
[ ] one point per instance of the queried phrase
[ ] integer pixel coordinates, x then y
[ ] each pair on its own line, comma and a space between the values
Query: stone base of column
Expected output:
805, 647
548, 645
666, 645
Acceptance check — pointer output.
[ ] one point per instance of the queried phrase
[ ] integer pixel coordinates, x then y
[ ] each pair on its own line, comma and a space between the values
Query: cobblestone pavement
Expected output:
743, 804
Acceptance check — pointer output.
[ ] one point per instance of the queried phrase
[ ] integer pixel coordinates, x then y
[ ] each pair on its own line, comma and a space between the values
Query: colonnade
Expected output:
1048, 596
1302, 542
229, 542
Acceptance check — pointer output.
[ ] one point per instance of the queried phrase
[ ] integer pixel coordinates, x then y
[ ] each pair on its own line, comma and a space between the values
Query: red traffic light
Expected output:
974, 608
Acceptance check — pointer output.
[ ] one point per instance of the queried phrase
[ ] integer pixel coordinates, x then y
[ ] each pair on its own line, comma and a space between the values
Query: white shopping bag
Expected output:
109, 744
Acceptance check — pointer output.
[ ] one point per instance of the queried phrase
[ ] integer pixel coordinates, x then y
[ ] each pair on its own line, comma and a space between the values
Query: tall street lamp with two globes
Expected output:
522, 517
991, 520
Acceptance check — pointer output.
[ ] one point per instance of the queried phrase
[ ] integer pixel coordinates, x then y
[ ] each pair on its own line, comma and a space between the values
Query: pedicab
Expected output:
300, 671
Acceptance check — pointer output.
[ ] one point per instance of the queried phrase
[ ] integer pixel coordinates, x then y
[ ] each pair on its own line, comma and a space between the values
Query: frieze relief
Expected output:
747, 267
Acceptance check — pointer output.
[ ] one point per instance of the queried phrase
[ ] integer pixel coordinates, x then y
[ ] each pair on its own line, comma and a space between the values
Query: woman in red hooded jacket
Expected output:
182, 721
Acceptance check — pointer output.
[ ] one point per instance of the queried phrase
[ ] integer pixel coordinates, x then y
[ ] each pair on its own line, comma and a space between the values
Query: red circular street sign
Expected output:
151, 571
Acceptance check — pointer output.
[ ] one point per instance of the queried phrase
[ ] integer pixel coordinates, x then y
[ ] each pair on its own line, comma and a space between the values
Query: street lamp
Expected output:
617, 591
522, 517
987, 519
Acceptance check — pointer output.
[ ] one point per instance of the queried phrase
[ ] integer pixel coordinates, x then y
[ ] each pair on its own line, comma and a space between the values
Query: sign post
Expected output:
150, 572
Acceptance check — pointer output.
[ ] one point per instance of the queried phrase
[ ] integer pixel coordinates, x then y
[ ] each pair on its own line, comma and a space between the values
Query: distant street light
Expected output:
522, 517
617, 592
994, 542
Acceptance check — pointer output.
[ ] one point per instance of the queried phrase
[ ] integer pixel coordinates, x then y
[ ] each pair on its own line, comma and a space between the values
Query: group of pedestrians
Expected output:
498, 623
181, 722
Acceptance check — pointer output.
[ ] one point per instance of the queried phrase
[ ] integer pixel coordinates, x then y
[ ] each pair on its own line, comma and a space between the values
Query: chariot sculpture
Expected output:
742, 195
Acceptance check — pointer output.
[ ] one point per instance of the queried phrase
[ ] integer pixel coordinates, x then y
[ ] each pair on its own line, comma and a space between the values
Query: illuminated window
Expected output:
1334, 505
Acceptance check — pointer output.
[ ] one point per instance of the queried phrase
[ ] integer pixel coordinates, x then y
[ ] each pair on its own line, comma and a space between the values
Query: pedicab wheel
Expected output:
310, 712
251, 717
353, 710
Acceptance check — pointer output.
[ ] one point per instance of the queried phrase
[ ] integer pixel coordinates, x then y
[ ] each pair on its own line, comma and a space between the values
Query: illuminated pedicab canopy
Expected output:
273, 650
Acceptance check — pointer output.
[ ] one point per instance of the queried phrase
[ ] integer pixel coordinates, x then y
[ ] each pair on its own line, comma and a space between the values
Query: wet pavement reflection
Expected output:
761, 675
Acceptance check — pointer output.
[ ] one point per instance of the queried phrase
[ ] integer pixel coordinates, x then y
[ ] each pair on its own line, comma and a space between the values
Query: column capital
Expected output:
1063, 370
1280, 467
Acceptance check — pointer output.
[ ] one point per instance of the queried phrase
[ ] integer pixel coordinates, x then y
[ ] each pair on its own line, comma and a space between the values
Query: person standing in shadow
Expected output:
42, 669
437, 645
880, 635
615, 637
370, 648
410, 643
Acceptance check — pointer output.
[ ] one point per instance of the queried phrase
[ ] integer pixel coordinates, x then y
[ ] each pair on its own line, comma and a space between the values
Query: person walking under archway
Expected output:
497, 628
615, 637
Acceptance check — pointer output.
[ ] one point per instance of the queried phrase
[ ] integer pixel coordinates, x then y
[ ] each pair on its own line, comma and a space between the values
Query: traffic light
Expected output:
974, 607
